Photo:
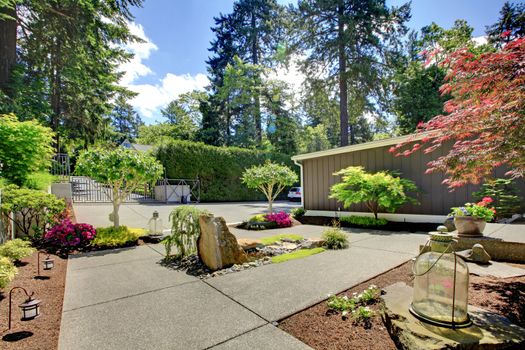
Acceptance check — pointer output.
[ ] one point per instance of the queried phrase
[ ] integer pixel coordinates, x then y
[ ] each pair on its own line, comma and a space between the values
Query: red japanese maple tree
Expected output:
485, 119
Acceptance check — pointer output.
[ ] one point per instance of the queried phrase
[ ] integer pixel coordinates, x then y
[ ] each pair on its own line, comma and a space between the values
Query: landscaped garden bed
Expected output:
388, 226
321, 327
41, 332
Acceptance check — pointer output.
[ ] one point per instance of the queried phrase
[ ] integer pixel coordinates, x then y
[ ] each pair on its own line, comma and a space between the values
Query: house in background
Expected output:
135, 146
435, 199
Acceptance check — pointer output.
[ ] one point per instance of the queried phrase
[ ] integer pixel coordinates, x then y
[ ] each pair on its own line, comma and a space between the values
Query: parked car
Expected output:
295, 194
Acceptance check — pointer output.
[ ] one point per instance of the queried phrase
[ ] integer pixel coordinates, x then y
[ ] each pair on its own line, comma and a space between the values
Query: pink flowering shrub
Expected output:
69, 235
282, 219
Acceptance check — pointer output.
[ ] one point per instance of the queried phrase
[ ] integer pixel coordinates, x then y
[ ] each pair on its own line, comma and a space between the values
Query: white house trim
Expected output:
438, 219
359, 147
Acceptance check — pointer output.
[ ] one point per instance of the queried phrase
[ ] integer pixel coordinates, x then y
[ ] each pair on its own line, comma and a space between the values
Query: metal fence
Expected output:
87, 190
61, 167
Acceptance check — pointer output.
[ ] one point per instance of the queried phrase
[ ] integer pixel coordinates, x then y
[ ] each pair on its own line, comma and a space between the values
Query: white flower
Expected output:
345, 297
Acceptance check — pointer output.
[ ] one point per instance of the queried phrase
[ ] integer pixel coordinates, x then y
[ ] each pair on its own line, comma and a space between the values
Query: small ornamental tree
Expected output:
269, 178
379, 191
121, 169
25, 148
485, 117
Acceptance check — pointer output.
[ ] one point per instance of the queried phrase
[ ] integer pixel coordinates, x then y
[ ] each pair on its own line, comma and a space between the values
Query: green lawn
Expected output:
276, 238
298, 254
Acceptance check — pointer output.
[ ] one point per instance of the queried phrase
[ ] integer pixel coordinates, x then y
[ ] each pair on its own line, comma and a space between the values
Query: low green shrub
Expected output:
16, 249
7, 271
298, 254
258, 218
335, 238
111, 237
365, 221
39, 181
506, 198
298, 213
362, 314
276, 238
356, 306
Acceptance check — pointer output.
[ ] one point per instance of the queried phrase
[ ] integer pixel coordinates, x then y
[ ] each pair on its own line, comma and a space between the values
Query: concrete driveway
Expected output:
123, 299
137, 215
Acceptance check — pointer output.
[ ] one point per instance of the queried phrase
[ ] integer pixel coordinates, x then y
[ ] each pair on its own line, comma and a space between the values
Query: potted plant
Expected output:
470, 220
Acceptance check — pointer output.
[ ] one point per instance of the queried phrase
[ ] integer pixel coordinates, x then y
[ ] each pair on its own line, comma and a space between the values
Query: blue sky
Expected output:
177, 34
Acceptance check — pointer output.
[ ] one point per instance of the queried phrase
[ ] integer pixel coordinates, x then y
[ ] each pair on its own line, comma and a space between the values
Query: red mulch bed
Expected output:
320, 328
44, 329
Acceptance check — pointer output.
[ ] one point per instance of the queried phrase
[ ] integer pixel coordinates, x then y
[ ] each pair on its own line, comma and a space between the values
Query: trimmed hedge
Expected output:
219, 168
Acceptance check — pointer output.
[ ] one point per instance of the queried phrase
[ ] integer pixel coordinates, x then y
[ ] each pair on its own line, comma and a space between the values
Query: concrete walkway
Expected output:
123, 299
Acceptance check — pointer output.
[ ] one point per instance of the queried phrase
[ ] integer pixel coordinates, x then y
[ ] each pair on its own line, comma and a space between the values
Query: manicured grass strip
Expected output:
276, 238
298, 254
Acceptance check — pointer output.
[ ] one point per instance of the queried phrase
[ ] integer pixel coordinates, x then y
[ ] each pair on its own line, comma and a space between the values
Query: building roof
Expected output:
136, 146
359, 147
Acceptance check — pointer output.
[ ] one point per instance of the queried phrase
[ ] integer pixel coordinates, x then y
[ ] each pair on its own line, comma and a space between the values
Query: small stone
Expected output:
247, 243
477, 254
289, 246
245, 265
313, 243
253, 263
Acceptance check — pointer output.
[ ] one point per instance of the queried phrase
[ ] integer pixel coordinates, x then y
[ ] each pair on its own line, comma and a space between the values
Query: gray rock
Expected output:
449, 224
477, 254
489, 330
312, 243
217, 246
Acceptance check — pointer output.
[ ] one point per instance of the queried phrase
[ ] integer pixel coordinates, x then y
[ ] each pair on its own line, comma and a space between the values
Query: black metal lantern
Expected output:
30, 309
48, 263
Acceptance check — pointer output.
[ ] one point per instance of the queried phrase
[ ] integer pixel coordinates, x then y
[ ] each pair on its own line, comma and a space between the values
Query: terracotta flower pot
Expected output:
469, 226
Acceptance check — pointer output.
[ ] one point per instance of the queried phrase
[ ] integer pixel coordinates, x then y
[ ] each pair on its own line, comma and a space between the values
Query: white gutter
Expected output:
300, 165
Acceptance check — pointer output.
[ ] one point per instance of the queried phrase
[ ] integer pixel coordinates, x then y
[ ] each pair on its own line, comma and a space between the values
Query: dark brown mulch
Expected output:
42, 332
322, 329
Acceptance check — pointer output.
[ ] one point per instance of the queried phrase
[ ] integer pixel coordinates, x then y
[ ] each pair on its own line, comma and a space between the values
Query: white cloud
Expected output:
480, 40
152, 97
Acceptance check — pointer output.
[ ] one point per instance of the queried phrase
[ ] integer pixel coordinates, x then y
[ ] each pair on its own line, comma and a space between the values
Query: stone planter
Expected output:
469, 226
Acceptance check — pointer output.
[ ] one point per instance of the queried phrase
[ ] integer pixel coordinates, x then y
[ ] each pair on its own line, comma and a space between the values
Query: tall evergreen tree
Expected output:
125, 120
349, 42
510, 25
251, 32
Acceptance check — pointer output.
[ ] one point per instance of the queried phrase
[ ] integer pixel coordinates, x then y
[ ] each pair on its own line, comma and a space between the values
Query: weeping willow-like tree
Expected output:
185, 230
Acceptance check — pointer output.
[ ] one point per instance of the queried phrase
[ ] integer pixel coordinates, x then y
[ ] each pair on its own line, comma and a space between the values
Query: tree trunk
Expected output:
343, 85
55, 94
7, 47
270, 206
116, 218
257, 97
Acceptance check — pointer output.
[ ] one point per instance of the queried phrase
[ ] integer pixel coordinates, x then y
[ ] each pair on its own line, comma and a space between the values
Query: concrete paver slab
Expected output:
277, 290
108, 282
496, 269
266, 337
109, 257
509, 233
398, 242
186, 317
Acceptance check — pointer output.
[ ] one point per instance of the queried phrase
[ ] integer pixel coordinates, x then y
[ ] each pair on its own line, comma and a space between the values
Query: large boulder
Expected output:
217, 246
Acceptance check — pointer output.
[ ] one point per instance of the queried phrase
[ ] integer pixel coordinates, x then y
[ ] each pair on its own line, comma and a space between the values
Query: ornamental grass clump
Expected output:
480, 210
67, 235
335, 238
281, 219
16, 249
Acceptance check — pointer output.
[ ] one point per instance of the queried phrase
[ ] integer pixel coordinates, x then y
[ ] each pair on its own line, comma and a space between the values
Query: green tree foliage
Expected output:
418, 77
121, 169
505, 196
379, 191
218, 168
350, 42
185, 113
35, 210
314, 139
251, 32
510, 24
156, 134
25, 148
68, 55
269, 178
124, 120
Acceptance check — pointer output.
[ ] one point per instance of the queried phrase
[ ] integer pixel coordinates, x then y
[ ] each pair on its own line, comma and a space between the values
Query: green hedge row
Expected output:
219, 168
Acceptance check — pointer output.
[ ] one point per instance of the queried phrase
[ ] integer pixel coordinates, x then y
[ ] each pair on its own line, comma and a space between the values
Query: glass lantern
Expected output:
155, 225
48, 263
441, 284
30, 309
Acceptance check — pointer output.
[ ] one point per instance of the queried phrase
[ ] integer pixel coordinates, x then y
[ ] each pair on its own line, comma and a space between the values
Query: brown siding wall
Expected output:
435, 199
